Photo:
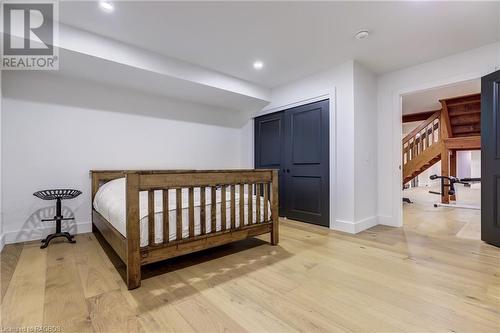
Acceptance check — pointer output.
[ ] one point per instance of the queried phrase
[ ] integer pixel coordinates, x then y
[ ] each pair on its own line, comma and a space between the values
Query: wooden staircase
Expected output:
422, 147
456, 126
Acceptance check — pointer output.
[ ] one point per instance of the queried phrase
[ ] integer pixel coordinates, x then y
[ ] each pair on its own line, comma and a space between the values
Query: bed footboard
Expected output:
261, 187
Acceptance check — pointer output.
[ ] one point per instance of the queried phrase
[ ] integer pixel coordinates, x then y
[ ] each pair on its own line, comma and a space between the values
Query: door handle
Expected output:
287, 170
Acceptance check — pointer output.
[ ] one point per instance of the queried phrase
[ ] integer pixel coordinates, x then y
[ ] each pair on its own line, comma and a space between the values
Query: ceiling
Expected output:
428, 100
293, 39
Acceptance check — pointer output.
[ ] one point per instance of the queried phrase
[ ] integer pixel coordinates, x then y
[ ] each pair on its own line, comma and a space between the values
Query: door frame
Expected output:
397, 152
331, 95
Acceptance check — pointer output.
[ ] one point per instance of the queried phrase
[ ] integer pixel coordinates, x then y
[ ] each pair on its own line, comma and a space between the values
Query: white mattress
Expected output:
110, 203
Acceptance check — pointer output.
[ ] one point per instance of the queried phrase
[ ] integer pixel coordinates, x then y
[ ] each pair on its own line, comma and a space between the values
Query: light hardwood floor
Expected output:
382, 280
421, 216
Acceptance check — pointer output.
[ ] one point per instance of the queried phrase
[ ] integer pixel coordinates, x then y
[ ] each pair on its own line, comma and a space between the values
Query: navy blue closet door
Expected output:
307, 163
490, 158
296, 141
269, 148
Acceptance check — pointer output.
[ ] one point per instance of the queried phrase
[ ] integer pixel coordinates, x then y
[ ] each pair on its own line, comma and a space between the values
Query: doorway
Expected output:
441, 160
296, 142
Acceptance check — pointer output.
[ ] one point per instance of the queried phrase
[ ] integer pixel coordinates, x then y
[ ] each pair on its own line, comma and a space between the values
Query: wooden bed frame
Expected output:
129, 249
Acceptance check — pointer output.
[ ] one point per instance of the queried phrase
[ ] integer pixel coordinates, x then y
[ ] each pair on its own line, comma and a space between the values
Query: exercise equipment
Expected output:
406, 199
448, 182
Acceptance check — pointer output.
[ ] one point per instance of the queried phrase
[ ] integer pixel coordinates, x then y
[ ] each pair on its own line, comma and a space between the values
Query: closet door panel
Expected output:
307, 163
269, 148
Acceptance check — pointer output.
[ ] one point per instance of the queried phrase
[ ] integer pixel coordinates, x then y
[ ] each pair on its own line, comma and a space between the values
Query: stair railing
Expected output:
422, 137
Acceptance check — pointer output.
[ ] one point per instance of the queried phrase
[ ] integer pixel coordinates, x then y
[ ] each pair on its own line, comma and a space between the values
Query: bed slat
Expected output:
250, 204
213, 207
178, 213
203, 206
257, 203
191, 212
233, 206
166, 211
242, 205
266, 198
151, 217
223, 207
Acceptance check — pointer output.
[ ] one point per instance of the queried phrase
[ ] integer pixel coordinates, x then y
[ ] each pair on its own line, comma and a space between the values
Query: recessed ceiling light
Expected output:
362, 34
258, 65
106, 6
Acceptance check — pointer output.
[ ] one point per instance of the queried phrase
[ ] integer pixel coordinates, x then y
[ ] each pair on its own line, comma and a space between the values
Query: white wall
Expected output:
247, 145
460, 67
336, 84
475, 164
463, 164
56, 129
365, 148
2, 239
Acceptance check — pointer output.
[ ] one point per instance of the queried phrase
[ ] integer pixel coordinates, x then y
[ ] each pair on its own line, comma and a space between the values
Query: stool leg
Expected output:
47, 240
50, 237
58, 218
58, 215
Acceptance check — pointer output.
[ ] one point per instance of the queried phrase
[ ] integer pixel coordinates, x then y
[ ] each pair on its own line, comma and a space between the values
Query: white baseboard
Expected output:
344, 226
366, 223
389, 221
355, 227
25, 235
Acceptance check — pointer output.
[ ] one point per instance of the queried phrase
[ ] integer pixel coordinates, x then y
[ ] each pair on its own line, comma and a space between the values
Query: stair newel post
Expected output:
445, 133
445, 171
453, 169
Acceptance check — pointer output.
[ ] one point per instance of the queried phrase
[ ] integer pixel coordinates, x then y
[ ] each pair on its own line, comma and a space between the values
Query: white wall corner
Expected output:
2, 241
386, 220
26, 235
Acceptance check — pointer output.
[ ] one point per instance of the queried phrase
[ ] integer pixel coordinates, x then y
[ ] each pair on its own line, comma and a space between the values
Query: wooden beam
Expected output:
471, 101
446, 131
421, 116
457, 113
461, 129
467, 134
465, 119
471, 98
463, 143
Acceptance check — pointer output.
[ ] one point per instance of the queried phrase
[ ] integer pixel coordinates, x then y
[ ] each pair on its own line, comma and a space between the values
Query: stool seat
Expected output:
58, 195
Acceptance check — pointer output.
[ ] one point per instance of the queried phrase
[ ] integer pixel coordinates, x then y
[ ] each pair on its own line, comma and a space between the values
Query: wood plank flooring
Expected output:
316, 280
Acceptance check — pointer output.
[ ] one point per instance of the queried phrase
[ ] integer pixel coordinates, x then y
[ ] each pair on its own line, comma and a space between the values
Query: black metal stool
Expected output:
58, 195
